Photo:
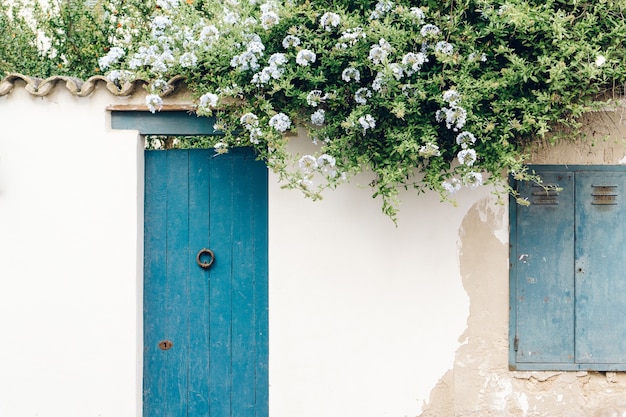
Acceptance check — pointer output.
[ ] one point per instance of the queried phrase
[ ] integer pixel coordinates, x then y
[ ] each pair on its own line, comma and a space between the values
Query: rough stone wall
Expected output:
480, 383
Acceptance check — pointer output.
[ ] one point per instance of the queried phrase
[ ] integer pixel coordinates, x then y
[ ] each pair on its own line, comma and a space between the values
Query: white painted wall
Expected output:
364, 317
70, 199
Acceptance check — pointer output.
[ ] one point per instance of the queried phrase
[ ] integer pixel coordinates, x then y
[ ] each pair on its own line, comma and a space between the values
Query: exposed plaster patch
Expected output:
493, 214
480, 383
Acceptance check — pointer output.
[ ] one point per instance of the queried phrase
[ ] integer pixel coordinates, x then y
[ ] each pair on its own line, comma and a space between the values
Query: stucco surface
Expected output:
366, 319
480, 383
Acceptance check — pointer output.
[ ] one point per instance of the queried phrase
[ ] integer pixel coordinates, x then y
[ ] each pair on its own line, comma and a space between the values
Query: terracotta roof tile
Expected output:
78, 87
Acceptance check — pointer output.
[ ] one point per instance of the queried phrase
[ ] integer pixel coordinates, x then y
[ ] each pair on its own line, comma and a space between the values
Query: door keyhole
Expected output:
165, 344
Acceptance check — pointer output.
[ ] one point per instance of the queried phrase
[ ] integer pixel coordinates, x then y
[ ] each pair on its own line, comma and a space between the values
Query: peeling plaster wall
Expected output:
480, 384
366, 319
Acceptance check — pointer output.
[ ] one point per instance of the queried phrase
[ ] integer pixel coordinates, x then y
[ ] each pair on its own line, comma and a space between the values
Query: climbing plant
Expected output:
430, 95
66, 37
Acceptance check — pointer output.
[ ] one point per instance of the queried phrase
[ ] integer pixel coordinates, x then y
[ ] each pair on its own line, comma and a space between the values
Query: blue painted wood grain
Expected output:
600, 268
216, 318
568, 272
544, 260
163, 123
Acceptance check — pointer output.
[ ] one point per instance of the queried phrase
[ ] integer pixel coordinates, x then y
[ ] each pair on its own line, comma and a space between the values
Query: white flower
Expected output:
317, 118
255, 46
262, 77
326, 164
154, 102
361, 95
209, 100
367, 122
158, 25
350, 74
378, 82
158, 86
396, 70
455, 117
475, 57
249, 121
290, 41
378, 53
277, 59
245, 61
452, 186
429, 31
305, 57
167, 4
230, 17
451, 97
119, 77
466, 157
350, 37
473, 179
307, 164
209, 34
330, 20
382, 7
188, 59
418, 14
268, 6
269, 19
114, 55
444, 48
413, 62
306, 183
221, 147
280, 122
255, 135
465, 139
273, 70
314, 98
600, 60
429, 149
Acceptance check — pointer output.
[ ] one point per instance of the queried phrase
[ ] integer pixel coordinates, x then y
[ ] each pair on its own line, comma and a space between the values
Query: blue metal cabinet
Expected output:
568, 270
205, 328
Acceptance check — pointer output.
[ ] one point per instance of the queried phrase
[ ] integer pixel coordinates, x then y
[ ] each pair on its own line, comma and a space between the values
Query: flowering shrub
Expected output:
432, 95
61, 37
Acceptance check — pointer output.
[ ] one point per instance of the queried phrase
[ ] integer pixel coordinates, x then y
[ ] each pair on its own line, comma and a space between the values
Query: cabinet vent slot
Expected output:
546, 194
604, 195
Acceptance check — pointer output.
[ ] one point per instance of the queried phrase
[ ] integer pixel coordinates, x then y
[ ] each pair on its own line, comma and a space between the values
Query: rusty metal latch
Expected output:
205, 264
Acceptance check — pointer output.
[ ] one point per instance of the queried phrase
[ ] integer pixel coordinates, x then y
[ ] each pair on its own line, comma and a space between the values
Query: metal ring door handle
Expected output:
202, 264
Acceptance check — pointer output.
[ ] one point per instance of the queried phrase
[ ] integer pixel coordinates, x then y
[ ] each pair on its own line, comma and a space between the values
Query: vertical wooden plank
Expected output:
600, 267
220, 302
198, 300
543, 267
244, 348
174, 374
155, 247
258, 176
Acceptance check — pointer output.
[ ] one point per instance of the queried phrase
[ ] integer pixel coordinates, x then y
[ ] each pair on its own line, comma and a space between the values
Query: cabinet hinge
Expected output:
516, 343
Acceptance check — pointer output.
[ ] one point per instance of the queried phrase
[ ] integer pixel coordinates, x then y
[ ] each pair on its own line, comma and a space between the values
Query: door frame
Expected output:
176, 120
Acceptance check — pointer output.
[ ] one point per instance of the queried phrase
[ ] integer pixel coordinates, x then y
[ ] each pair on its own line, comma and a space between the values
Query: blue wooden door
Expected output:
205, 329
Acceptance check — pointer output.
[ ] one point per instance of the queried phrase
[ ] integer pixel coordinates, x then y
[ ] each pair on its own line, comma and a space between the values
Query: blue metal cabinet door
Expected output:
600, 267
205, 330
542, 272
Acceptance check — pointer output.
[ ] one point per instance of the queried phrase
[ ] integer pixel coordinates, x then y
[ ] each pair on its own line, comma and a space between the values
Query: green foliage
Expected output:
431, 95
66, 37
